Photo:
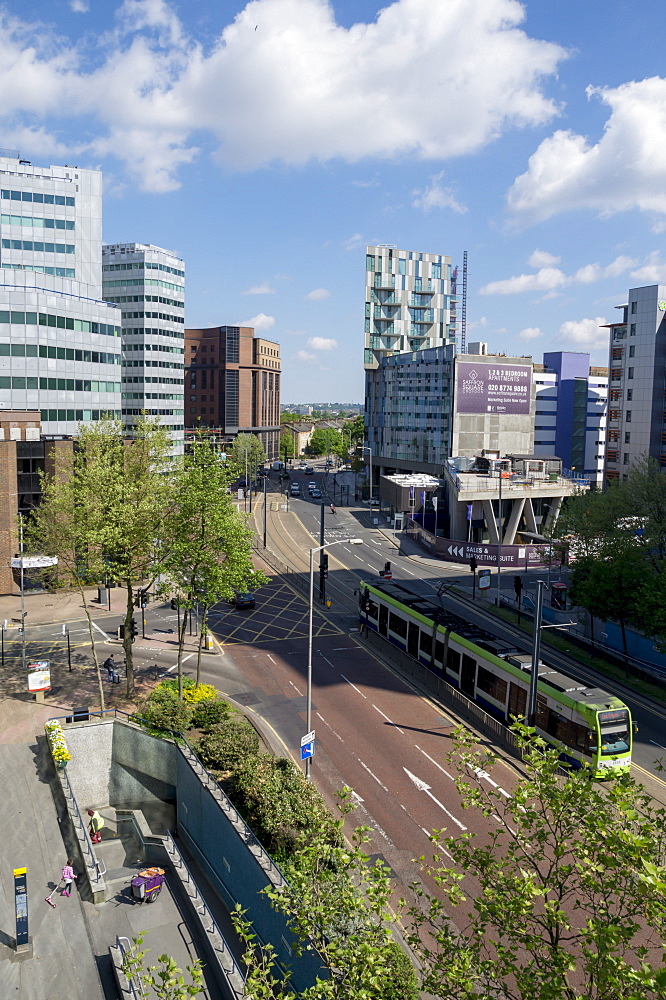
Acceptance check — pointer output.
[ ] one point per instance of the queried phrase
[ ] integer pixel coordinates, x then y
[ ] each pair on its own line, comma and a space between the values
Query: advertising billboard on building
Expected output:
483, 387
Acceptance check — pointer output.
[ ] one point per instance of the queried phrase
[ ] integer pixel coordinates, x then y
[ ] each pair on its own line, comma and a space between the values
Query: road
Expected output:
423, 574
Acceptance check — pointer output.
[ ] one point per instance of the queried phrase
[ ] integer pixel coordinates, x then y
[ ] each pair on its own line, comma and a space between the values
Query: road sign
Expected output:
308, 738
307, 751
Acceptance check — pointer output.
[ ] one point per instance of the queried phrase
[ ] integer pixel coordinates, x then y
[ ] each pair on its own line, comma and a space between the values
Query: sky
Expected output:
268, 143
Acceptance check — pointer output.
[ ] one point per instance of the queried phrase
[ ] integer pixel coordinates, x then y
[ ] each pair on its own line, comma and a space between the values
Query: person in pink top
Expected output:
68, 877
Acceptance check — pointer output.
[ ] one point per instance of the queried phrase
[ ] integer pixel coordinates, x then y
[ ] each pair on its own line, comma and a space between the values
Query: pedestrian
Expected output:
68, 877
95, 826
332, 508
110, 666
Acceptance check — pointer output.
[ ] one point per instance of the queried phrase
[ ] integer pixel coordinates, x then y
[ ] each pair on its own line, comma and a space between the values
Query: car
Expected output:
308, 470
295, 491
329, 464
374, 502
303, 467
244, 599
315, 494
312, 486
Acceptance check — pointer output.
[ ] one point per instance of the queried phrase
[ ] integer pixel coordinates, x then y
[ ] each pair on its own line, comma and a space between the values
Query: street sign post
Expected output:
484, 579
21, 908
307, 745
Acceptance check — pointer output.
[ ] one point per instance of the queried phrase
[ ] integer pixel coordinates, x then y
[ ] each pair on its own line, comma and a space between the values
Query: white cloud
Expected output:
541, 258
260, 322
585, 334
653, 272
79, 6
354, 241
305, 356
435, 195
478, 324
322, 343
530, 333
365, 184
549, 279
288, 91
625, 169
263, 289
317, 294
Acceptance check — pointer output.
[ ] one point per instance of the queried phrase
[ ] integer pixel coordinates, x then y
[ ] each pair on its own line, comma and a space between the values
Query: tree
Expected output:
109, 516
165, 981
568, 894
248, 454
323, 440
286, 445
613, 590
209, 555
338, 903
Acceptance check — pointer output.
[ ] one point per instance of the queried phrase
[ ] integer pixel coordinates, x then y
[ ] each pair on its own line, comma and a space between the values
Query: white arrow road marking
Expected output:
484, 774
424, 787
387, 719
353, 685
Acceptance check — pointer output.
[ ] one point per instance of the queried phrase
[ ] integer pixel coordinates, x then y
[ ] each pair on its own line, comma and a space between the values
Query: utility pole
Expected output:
536, 653
264, 511
322, 580
499, 539
22, 595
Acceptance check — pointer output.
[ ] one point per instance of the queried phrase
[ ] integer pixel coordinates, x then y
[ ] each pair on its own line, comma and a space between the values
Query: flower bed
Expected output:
58, 744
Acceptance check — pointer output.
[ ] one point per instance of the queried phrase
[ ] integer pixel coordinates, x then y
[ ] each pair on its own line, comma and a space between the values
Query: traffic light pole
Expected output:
536, 653
473, 565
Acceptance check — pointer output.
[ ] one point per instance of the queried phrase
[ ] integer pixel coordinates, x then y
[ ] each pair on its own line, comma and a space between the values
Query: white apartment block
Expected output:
147, 283
637, 392
59, 342
571, 413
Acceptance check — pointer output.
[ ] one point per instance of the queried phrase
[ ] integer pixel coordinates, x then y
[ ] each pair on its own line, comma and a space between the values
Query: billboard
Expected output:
493, 388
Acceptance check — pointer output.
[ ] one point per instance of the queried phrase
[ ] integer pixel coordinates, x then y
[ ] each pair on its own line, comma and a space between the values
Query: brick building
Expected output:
232, 384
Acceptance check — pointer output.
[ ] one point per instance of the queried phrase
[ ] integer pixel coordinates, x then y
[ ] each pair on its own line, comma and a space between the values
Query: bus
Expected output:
588, 726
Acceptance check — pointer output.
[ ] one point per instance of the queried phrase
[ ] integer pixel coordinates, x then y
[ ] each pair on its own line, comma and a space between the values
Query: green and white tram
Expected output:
593, 726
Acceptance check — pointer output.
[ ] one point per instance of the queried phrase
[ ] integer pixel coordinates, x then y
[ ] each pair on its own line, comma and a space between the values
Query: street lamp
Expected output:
366, 447
313, 552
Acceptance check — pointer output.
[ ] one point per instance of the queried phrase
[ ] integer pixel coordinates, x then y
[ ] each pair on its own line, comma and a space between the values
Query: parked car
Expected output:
243, 600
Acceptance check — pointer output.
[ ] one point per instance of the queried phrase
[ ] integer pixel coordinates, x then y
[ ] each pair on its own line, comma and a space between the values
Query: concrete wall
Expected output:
144, 767
89, 770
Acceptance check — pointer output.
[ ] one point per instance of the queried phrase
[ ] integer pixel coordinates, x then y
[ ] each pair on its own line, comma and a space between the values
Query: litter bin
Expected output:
79, 715
101, 595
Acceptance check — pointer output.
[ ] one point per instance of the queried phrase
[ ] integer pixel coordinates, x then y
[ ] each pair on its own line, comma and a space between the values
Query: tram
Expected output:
589, 726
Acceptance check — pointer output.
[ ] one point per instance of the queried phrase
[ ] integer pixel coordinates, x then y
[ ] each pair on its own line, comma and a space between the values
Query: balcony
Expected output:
384, 311
611, 456
424, 316
384, 281
614, 414
384, 300
420, 299
617, 354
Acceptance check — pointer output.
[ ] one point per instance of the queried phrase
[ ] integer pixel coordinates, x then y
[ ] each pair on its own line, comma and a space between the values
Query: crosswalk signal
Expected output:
174, 604
133, 629
473, 564
517, 586
324, 566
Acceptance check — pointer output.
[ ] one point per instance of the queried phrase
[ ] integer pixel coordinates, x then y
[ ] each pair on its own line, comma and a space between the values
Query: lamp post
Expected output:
313, 552
366, 447
500, 534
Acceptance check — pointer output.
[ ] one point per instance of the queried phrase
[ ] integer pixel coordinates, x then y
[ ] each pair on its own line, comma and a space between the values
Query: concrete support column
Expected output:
491, 523
552, 516
514, 520
530, 519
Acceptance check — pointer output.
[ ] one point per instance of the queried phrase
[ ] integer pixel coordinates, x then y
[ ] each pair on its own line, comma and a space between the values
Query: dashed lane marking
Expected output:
433, 761
353, 685
372, 775
388, 720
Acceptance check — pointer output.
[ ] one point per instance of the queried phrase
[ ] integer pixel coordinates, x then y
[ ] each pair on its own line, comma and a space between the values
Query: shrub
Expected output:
209, 713
228, 744
56, 738
164, 709
400, 981
280, 805
195, 693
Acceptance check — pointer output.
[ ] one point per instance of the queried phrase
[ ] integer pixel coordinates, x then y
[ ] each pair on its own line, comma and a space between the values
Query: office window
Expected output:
630, 373
625, 459
627, 416
627, 437
632, 351
633, 307
632, 330
630, 394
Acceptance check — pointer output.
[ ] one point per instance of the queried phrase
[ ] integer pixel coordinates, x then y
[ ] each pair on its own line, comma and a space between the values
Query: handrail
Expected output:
130, 981
203, 910
249, 838
87, 842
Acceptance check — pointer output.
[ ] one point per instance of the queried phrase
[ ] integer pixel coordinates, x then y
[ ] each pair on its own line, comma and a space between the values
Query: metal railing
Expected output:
131, 983
77, 818
250, 840
204, 911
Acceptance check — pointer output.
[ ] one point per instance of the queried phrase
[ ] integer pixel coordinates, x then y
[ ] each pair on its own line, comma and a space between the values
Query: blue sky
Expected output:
267, 143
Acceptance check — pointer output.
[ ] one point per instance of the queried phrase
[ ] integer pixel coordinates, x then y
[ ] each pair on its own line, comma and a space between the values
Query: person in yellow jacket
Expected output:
95, 826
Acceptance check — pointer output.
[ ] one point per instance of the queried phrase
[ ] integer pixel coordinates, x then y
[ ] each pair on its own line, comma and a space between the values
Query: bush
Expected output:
280, 805
195, 693
401, 981
228, 745
209, 713
164, 709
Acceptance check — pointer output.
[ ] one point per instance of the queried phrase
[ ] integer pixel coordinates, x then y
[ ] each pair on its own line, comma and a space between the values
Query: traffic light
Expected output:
473, 564
517, 586
324, 566
143, 599
174, 604
133, 629
387, 571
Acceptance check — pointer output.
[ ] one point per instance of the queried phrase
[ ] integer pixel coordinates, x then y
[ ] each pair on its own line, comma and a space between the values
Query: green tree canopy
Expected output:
323, 441
247, 450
